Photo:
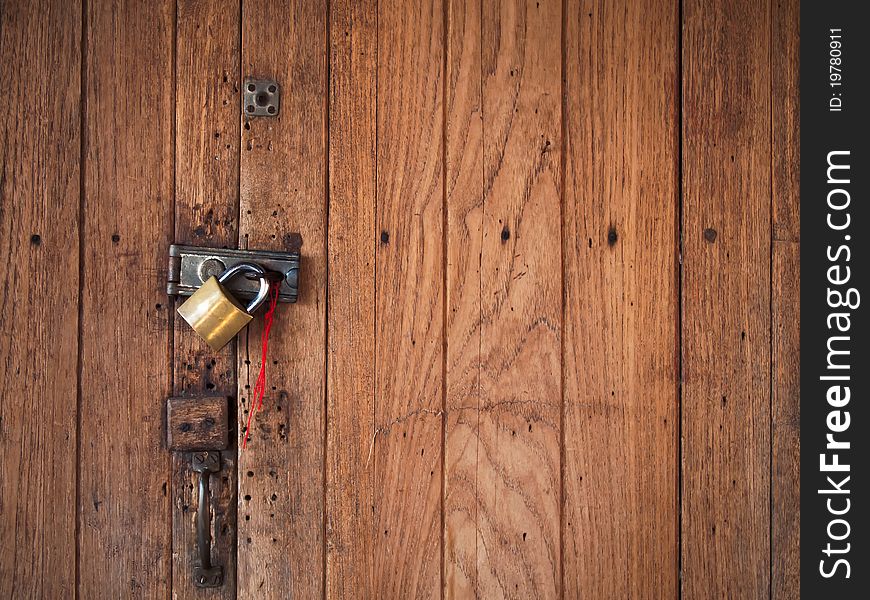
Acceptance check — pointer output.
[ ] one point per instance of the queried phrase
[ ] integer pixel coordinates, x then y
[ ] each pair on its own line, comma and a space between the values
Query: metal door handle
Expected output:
204, 574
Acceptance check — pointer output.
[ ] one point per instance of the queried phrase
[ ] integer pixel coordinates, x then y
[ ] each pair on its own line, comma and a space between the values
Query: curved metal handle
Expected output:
204, 574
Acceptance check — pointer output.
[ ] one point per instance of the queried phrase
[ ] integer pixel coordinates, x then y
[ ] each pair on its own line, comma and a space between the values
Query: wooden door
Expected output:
545, 343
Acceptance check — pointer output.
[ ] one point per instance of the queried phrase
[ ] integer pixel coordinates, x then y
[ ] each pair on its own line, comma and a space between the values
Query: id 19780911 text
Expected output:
835, 69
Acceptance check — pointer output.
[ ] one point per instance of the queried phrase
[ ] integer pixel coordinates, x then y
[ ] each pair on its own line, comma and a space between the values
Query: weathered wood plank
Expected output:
785, 98
785, 476
406, 446
124, 504
621, 295
207, 147
40, 178
465, 216
785, 302
351, 343
726, 300
503, 518
283, 190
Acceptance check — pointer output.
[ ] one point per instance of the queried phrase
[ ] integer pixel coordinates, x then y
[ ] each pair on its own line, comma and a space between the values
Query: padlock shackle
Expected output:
244, 267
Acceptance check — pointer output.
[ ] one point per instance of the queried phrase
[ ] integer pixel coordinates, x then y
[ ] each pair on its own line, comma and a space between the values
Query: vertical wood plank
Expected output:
620, 252
503, 512
521, 300
785, 551
351, 288
465, 230
283, 191
206, 214
726, 300
785, 302
124, 504
39, 270
406, 446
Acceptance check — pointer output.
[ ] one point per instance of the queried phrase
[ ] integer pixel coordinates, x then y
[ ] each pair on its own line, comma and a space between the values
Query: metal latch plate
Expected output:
262, 97
191, 266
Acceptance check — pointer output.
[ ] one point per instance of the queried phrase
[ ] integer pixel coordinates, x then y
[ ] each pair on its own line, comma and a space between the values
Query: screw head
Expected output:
211, 267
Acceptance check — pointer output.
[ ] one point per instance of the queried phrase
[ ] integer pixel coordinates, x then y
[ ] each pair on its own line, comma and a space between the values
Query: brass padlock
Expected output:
214, 314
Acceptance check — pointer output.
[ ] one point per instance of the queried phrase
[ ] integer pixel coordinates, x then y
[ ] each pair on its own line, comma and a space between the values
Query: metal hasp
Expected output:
191, 266
262, 98
204, 574
200, 424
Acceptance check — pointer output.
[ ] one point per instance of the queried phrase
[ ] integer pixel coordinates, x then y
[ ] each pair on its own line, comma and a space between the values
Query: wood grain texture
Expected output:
503, 433
350, 533
785, 540
621, 298
406, 445
124, 505
207, 146
726, 300
283, 191
40, 177
465, 227
785, 302
785, 99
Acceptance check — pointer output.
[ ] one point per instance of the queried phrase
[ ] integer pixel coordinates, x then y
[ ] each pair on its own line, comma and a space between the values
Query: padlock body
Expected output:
214, 314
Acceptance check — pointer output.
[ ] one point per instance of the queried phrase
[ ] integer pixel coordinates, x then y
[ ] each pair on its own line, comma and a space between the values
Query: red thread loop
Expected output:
260, 387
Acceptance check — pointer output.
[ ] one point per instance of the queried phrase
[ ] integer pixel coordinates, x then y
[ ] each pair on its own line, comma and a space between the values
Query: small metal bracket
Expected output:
208, 578
191, 266
262, 98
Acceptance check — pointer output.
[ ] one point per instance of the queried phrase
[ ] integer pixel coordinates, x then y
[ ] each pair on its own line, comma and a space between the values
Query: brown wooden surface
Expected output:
785, 536
283, 178
40, 176
207, 145
350, 402
464, 198
726, 300
785, 303
124, 506
503, 433
406, 445
621, 333
523, 225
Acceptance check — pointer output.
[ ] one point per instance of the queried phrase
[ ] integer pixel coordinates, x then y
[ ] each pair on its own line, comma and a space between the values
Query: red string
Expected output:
260, 387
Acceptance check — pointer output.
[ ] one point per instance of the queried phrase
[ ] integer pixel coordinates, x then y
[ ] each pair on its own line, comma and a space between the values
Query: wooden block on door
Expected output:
197, 423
